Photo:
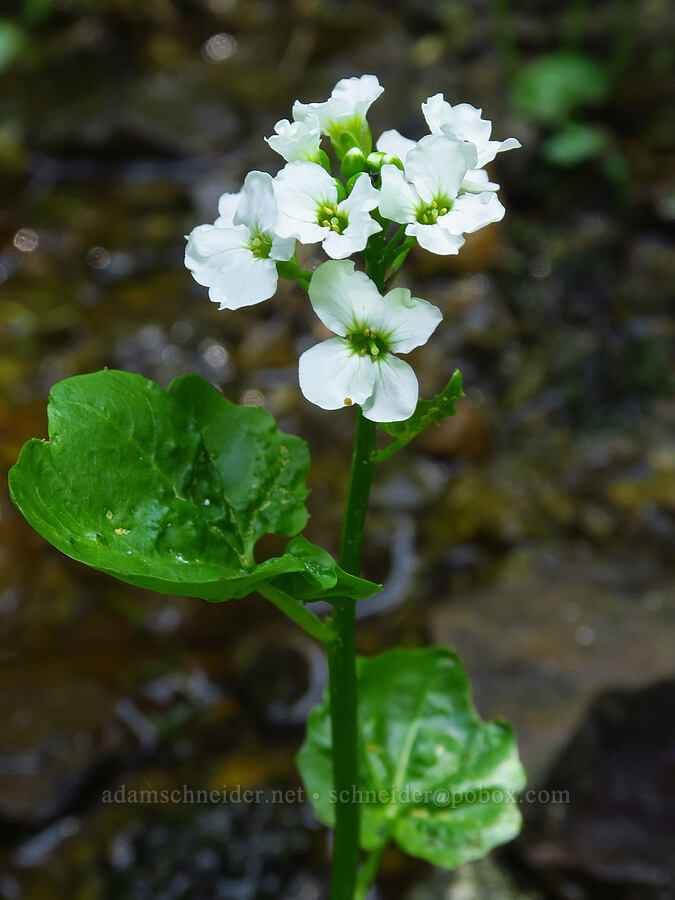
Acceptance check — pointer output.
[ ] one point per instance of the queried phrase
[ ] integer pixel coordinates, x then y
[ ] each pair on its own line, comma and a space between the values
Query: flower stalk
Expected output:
379, 205
342, 670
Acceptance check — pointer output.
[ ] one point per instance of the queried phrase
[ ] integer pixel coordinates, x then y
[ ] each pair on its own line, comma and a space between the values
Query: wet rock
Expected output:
552, 631
614, 836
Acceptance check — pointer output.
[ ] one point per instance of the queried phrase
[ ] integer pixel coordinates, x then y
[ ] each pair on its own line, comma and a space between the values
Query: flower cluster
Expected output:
429, 192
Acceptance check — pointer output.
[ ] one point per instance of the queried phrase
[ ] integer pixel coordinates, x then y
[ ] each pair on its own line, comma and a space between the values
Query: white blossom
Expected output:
297, 140
464, 123
360, 365
235, 257
346, 108
307, 197
427, 197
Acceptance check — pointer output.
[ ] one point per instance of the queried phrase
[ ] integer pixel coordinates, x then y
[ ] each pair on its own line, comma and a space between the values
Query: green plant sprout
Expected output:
170, 490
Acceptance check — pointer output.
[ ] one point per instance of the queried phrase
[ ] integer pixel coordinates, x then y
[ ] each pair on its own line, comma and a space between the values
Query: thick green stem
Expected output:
363, 463
342, 671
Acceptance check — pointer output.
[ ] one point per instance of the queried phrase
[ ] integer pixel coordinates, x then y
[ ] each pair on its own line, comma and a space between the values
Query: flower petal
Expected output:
243, 280
398, 198
353, 239
363, 196
437, 112
206, 249
467, 125
394, 143
282, 248
227, 207
435, 239
257, 207
338, 292
476, 181
350, 98
405, 321
358, 93
464, 123
471, 212
360, 225
437, 165
487, 153
395, 391
330, 373
300, 189
297, 140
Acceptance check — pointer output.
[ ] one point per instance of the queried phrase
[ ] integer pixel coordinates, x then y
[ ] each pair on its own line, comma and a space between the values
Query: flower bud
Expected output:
324, 160
353, 162
377, 159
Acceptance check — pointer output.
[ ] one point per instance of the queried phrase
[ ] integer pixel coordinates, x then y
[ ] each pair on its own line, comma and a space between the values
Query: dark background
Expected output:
533, 531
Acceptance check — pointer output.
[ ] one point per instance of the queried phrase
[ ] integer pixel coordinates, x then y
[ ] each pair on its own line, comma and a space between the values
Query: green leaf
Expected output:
426, 413
435, 778
262, 470
574, 144
169, 490
555, 85
331, 579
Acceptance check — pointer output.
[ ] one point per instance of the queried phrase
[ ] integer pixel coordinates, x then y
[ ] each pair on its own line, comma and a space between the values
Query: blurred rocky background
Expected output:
533, 531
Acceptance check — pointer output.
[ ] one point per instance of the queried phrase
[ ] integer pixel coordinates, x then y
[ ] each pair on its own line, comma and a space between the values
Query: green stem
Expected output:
302, 616
368, 873
393, 243
363, 462
290, 269
390, 449
342, 671
402, 251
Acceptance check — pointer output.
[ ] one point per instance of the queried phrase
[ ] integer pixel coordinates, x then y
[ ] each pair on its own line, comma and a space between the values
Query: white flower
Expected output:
359, 366
464, 123
428, 198
235, 257
345, 110
307, 198
474, 182
395, 144
297, 140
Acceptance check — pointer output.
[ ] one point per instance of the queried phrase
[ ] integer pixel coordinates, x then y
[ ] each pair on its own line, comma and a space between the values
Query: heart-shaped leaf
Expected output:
170, 490
434, 777
427, 412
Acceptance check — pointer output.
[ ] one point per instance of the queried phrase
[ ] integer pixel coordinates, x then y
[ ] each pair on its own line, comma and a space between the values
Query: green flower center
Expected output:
328, 216
427, 215
260, 245
366, 343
